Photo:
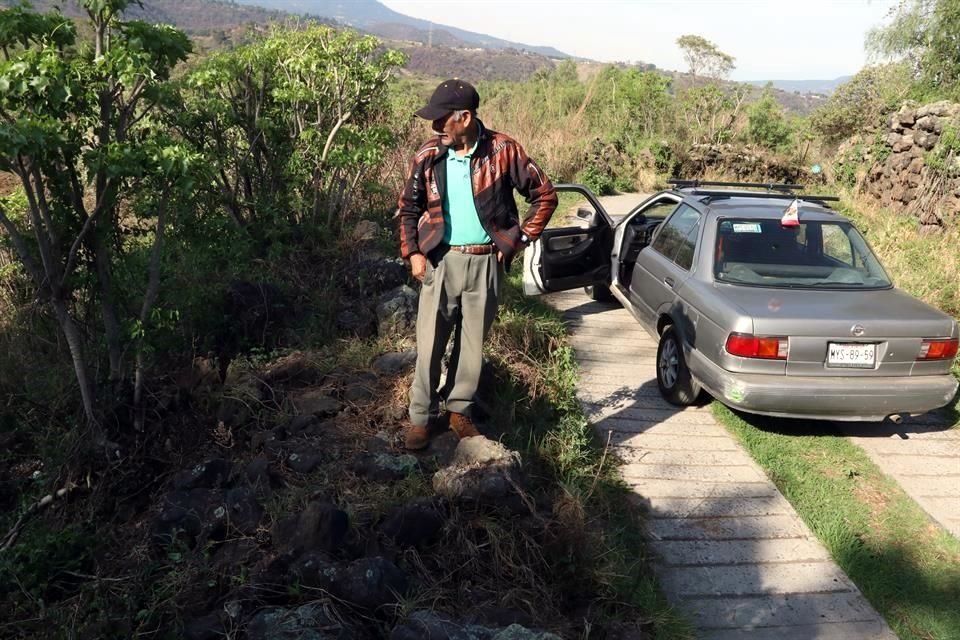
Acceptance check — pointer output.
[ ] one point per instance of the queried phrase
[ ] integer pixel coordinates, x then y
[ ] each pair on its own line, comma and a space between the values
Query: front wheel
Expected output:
673, 377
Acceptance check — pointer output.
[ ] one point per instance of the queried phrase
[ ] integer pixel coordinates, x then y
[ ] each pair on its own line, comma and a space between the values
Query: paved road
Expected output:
732, 551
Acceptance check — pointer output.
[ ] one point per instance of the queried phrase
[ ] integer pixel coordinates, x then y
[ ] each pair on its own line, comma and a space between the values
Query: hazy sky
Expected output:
773, 39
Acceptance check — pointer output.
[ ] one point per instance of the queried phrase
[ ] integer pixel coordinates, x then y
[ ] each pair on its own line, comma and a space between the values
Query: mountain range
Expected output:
373, 17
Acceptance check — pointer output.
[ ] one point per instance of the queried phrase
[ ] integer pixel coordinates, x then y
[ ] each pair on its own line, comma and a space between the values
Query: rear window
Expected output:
814, 255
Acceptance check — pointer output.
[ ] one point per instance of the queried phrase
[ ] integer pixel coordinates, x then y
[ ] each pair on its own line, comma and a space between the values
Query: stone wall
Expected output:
899, 176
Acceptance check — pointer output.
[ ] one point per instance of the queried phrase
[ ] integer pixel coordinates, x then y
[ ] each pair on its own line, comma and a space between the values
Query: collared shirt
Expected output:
461, 221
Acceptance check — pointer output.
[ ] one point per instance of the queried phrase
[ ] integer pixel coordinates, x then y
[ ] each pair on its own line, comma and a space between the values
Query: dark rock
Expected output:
427, 624
304, 460
375, 275
391, 364
231, 555
906, 116
358, 392
315, 571
415, 524
482, 470
243, 511
366, 230
209, 474
208, 627
358, 321
309, 622
269, 441
371, 583
321, 526
257, 471
378, 443
294, 366
397, 312
317, 403
190, 516
234, 412
319, 429
384, 467
301, 422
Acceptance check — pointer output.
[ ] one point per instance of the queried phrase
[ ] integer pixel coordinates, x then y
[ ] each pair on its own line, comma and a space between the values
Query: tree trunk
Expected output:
75, 342
108, 305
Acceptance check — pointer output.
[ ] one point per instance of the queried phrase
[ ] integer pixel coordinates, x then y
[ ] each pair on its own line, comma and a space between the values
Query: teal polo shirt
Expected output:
461, 223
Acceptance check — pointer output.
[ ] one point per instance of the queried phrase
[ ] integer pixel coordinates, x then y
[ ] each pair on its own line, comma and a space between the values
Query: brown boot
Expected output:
463, 426
415, 438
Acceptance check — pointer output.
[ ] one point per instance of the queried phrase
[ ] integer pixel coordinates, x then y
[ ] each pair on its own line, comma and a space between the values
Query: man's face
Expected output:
453, 132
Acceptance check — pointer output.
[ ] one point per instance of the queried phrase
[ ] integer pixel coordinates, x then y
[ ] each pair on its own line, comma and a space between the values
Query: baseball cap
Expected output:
451, 95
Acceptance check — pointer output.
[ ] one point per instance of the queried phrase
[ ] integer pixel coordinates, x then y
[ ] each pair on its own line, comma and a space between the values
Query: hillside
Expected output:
373, 17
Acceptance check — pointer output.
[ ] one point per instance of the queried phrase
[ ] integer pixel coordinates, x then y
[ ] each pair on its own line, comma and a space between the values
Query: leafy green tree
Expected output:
288, 124
766, 124
860, 103
77, 127
704, 57
923, 33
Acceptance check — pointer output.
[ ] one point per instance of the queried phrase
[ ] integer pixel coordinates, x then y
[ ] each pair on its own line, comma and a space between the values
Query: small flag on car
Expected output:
791, 215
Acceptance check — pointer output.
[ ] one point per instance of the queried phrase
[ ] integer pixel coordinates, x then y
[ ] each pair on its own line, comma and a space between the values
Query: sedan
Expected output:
770, 301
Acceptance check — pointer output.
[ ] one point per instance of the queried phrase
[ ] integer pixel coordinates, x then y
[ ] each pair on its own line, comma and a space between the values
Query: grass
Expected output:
907, 567
549, 428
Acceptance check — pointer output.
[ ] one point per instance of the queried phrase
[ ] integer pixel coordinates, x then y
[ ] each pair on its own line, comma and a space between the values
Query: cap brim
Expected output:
431, 112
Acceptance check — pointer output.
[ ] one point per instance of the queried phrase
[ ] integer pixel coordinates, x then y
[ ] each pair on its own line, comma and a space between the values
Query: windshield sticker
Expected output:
746, 227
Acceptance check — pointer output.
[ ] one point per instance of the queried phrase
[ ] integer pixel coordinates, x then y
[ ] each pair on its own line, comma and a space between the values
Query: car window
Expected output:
687, 247
673, 233
816, 254
837, 245
659, 209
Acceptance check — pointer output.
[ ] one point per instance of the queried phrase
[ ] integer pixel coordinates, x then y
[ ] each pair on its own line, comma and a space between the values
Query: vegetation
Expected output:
165, 208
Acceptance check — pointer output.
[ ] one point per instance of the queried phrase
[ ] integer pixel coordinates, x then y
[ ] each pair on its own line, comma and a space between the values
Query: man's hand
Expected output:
500, 257
418, 266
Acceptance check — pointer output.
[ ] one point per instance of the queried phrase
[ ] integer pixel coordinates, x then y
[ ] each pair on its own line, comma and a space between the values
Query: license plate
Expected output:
855, 356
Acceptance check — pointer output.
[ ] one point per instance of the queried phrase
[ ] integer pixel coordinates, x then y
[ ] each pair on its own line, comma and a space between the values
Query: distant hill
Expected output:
378, 19
823, 87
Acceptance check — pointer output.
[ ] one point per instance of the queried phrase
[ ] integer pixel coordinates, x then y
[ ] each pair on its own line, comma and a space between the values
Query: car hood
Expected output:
797, 312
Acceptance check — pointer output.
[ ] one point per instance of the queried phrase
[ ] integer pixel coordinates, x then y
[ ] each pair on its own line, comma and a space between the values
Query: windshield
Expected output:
814, 255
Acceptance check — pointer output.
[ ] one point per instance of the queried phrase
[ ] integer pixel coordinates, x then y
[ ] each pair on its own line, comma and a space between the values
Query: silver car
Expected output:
771, 302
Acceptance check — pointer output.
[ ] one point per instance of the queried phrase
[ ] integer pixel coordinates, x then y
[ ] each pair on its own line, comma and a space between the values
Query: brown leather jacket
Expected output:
498, 166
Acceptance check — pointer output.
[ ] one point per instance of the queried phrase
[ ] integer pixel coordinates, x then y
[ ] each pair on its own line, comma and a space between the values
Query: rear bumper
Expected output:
835, 398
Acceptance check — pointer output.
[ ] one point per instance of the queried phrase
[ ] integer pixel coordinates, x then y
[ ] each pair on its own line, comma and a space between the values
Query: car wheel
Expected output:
673, 377
599, 292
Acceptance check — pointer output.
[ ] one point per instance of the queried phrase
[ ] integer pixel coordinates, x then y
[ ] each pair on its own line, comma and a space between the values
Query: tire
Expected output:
673, 377
599, 292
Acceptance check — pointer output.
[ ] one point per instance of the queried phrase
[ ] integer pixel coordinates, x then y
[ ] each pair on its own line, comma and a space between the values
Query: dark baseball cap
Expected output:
451, 95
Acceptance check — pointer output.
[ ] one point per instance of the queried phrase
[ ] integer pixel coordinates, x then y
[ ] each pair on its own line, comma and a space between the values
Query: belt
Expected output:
474, 249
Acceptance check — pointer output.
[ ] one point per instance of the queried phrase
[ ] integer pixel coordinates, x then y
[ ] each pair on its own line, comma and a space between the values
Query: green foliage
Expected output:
861, 103
766, 124
710, 111
924, 33
704, 57
944, 158
38, 564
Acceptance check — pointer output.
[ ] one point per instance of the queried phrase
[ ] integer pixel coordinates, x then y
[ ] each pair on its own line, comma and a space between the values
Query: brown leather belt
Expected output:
473, 249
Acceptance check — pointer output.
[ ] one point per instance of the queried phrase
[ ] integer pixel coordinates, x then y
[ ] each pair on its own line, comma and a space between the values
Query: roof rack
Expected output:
712, 194
770, 186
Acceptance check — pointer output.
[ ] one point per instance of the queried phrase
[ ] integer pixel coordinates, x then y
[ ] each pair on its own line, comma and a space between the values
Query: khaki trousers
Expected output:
458, 296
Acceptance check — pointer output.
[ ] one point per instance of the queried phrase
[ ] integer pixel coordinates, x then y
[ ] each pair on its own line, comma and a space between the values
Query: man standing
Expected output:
460, 229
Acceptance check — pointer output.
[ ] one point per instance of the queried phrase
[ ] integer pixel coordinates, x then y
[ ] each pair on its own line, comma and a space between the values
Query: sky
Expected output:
771, 40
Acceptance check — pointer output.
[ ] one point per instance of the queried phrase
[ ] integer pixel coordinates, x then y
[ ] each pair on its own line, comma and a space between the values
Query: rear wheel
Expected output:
673, 377
599, 292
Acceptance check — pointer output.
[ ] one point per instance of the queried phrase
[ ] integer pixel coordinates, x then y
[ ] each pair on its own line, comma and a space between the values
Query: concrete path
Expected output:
923, 456
732, 551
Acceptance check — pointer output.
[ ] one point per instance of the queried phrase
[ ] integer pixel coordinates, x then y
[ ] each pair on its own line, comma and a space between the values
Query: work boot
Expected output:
415, 438
463, 426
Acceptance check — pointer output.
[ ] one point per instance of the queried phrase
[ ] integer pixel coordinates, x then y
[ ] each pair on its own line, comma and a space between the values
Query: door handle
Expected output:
669, 281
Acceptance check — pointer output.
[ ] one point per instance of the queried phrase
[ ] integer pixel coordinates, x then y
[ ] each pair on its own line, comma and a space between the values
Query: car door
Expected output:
665, 264
565, 258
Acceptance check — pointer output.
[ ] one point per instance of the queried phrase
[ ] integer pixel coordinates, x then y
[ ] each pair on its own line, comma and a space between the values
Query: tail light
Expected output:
748, 346
938, 349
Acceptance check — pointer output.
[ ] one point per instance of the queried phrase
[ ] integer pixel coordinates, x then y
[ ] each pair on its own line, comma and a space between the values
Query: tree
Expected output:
286, 123
766, 124
860, 103
923, 33
704, 57
76, 128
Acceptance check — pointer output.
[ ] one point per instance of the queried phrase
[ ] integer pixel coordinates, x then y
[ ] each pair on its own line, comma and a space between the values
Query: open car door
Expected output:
570, 257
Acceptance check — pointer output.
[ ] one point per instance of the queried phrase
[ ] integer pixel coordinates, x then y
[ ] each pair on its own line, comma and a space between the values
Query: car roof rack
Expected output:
773, 190
770, 186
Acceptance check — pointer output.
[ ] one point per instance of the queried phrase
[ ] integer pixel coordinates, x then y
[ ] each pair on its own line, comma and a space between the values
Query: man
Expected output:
459, 227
